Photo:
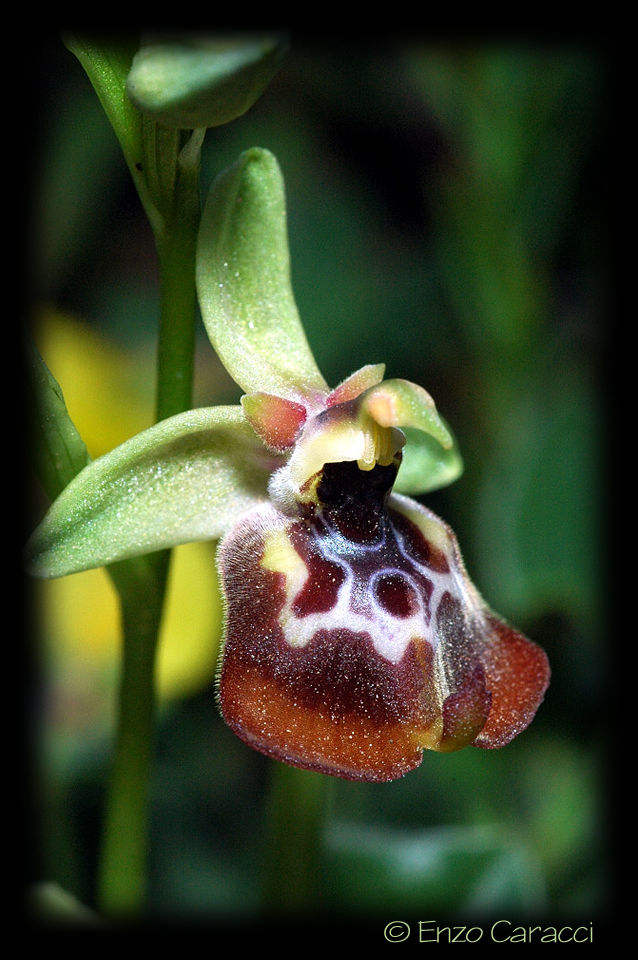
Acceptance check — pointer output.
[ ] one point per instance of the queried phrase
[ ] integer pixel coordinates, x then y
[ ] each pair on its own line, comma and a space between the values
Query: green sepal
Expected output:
426, 465
195, 81
184, 479
243, 282
430, 457
400, 403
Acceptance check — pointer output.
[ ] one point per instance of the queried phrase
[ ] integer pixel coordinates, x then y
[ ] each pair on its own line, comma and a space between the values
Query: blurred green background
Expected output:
446, 215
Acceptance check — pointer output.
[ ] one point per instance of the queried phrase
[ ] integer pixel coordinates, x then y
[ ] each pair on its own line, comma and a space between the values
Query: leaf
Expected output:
454, 870
202, 81
184, 479
107, 65
542, 501
57, 447
244, 286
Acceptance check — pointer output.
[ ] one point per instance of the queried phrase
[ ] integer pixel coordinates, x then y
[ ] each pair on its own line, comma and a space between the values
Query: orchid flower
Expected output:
354, 638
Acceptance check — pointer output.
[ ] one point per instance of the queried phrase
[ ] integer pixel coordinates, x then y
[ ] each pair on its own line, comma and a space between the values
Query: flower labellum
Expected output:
354, 638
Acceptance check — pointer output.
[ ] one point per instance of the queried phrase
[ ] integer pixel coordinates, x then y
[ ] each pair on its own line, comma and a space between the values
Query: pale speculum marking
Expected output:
376, 587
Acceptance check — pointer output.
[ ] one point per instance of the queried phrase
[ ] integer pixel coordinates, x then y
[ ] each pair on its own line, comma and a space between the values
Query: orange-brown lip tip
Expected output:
354, 639
519, 674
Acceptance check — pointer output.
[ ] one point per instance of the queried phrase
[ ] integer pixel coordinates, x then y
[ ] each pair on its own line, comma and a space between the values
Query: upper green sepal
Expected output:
244, 285
193, 81
184, 479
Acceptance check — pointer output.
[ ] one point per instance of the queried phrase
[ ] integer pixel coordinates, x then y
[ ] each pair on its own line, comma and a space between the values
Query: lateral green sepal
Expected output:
184, 479
430, 457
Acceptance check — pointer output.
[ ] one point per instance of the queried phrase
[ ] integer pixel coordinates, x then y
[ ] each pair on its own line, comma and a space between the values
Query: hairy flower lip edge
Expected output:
495, 730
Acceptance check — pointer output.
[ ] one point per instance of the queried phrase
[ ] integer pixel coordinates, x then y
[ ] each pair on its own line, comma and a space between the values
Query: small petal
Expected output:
243, 280
354, 385
355, 640
276, 420
184, 479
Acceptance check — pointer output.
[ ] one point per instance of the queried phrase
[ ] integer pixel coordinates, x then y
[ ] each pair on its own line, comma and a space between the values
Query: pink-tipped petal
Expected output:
276, 420
354, 385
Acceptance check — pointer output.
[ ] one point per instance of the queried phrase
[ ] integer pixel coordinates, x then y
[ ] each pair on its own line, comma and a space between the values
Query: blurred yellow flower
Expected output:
78, 615
107, 397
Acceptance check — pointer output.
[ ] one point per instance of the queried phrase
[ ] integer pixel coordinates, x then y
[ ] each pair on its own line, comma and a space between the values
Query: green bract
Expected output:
192, 475
198, 81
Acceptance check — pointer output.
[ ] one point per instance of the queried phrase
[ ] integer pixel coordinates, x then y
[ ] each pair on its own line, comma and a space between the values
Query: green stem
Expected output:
176, 249
164, 164
122, 881
296, 814
141, 583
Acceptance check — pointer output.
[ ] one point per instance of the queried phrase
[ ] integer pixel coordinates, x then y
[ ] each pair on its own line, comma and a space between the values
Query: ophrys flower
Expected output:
354, 638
